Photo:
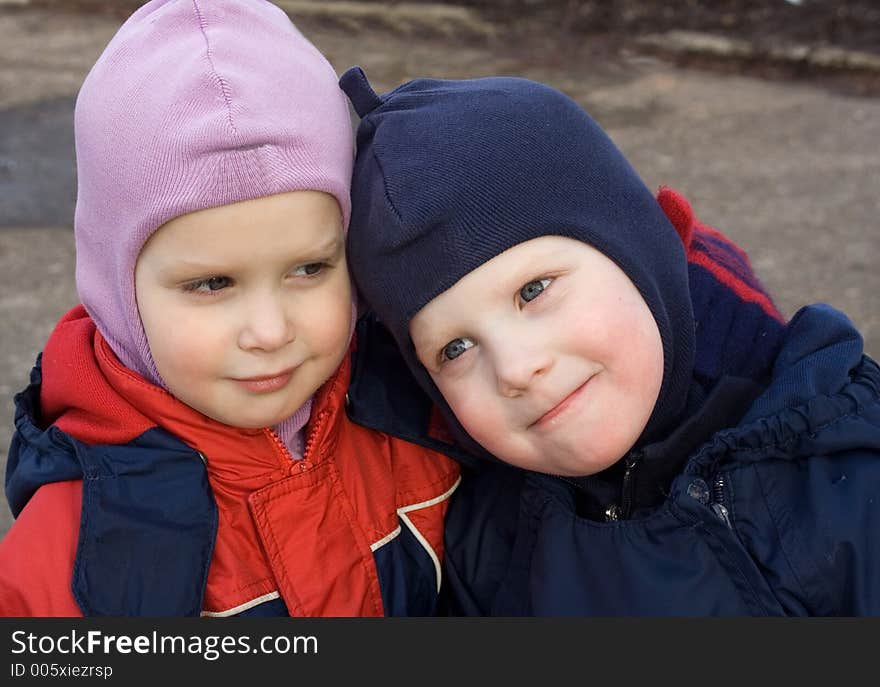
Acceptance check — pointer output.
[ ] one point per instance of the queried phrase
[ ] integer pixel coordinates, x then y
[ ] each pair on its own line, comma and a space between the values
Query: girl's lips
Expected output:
562, 406
266, 384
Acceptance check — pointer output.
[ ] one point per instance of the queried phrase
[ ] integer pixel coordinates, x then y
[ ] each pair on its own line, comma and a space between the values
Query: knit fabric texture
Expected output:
195, 104
450, 174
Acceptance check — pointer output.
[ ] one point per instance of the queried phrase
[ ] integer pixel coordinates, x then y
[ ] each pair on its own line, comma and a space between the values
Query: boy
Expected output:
183, 447
645, 434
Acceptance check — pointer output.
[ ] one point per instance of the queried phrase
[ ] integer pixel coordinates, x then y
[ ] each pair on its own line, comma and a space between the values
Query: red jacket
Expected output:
333, 534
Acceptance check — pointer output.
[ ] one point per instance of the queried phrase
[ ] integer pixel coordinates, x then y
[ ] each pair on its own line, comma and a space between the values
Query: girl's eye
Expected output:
310, 270
209, 285
455, 348
533, 289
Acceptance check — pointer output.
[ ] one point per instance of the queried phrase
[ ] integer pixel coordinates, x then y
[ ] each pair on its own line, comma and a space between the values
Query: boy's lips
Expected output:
261, 384
562, 406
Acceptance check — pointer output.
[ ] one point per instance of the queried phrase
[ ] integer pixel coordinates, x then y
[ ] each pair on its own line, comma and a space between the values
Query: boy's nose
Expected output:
267, 325
518, 366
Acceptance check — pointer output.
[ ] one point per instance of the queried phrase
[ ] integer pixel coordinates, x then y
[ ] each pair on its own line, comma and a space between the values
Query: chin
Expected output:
583, 464
245, 420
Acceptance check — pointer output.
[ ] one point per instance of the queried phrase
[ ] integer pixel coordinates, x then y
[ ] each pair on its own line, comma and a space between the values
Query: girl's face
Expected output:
247, 307
547, 354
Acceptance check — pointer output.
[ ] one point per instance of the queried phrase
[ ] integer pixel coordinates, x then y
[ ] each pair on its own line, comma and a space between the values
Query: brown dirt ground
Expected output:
612, 28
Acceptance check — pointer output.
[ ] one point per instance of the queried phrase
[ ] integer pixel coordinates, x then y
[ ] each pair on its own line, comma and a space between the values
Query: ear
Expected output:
679, 212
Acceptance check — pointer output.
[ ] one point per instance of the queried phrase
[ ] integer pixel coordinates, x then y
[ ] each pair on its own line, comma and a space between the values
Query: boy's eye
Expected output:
209, 285
455, 348
533, 289
310, 269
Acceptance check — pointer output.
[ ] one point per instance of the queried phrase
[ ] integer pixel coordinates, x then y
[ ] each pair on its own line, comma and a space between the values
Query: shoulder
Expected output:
388, 480
821, 367
418, 477
37, 554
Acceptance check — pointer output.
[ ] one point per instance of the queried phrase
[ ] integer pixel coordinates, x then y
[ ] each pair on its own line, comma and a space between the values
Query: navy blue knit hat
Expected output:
450, 174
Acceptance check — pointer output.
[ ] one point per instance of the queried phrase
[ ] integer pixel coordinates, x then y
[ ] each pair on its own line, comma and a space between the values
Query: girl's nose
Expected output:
266, 326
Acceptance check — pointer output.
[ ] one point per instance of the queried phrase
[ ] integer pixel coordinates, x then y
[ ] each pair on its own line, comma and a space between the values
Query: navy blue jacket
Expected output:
777, 515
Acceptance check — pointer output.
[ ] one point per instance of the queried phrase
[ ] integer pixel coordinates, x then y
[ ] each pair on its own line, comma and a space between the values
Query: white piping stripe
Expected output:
384, 540
402, 511
242, 607
431, 502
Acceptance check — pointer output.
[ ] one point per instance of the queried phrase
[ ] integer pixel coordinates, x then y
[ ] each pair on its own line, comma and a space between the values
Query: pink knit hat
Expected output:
195, 104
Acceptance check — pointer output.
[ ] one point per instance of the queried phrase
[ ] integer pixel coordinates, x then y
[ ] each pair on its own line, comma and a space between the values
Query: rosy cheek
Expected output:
455, 396
326, 322
477, 414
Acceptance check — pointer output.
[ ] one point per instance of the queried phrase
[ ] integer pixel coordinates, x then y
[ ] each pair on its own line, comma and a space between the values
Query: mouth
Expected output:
560, 408
264, 384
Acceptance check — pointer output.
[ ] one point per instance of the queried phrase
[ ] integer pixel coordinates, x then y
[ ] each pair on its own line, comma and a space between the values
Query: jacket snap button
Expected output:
699, 490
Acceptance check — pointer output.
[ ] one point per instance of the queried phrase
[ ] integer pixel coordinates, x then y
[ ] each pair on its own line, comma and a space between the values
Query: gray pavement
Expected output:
790, 171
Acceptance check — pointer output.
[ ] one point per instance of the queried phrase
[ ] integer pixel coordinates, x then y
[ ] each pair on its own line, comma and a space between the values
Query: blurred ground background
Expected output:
764, 113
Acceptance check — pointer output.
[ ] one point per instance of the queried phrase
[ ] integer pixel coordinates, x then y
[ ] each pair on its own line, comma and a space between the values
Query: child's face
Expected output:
547, 354
247, 307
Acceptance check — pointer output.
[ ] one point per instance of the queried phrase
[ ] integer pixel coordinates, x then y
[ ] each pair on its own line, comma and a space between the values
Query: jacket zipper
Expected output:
303, 464
312, 436
718, 506
621, 511
626, 489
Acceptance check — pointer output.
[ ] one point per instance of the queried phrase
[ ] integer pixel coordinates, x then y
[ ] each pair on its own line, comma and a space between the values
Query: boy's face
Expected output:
247, 307
547, 354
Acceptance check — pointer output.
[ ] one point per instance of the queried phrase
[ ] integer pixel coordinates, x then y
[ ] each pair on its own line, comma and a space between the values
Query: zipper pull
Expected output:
612, 513
699, 491
722, 514
299, 466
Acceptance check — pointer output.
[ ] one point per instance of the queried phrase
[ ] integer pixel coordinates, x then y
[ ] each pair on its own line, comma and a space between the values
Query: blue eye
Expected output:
455, 348
209, 285
310, 270
533, 289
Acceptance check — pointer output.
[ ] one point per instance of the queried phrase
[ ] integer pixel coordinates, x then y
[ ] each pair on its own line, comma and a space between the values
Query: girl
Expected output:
183, 447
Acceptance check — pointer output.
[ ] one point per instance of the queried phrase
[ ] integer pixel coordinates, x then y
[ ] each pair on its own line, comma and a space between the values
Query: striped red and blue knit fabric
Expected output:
729, 264
737, 325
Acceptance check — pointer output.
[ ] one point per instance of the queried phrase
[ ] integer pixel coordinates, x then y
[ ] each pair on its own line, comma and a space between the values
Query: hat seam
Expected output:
224, 86
386, 192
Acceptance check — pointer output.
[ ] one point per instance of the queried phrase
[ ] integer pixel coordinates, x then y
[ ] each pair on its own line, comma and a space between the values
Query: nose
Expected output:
518, 365
266, 324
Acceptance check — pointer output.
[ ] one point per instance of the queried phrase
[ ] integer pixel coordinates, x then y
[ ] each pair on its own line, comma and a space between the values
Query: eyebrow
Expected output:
326, 248
331, 246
